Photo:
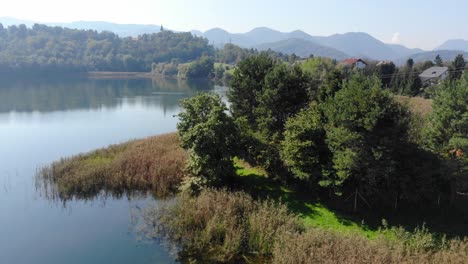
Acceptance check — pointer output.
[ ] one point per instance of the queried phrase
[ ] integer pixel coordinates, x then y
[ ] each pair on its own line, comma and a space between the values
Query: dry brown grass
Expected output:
420, 108
221, 226
417, 105
231, 227
153, 164
321, 246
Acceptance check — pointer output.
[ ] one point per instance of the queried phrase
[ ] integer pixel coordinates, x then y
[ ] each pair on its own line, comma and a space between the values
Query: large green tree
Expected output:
210, 136
438, 61
284, 94
248, 80
303, 149
457, 68
355, 140
447, 134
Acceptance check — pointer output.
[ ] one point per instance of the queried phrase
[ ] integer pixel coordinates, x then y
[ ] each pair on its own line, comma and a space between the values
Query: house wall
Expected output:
360, 65
444, 76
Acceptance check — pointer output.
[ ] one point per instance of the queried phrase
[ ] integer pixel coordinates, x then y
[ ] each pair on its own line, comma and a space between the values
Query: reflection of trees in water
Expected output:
46, 95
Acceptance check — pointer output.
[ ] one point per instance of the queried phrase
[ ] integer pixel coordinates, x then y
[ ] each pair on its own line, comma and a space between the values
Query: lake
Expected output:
44, 120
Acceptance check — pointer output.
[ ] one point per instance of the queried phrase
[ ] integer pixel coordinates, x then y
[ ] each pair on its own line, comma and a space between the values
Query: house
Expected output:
355, 63
434, 74
382, 63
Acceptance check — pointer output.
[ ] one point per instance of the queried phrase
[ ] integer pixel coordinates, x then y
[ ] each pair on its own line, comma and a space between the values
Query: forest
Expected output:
55, 49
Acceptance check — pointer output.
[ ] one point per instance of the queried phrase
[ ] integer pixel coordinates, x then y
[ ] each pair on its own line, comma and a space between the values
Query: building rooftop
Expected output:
433, 72
353, 61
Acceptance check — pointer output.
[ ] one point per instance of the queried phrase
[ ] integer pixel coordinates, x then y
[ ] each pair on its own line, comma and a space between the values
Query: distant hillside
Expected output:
44, 49
218, 37
404, 51
303, 48
454, 44
353, 44
358, 44
123, 30
446, 55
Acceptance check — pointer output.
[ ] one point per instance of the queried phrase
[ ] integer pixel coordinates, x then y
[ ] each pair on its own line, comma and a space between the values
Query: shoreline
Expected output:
119, 75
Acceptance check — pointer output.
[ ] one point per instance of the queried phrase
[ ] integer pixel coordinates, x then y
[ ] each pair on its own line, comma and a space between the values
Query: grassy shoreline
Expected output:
155, 164
120, 75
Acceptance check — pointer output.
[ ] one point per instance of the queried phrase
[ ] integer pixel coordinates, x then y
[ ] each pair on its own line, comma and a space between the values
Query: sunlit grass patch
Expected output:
315, 214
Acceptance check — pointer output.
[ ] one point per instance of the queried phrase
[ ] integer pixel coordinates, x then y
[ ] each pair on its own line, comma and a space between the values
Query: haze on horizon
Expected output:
416, 24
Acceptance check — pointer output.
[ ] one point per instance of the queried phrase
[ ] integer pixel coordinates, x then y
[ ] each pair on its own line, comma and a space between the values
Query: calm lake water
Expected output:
44, 120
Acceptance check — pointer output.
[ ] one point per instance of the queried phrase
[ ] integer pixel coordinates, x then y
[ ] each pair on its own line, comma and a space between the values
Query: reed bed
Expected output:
154, 164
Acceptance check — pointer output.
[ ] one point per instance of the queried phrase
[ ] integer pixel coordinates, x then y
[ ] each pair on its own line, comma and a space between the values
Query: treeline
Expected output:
218, 67
343, 135
55, 49
405, 80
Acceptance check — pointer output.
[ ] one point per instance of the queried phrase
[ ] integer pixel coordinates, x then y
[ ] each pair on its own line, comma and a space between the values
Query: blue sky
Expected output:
414, 23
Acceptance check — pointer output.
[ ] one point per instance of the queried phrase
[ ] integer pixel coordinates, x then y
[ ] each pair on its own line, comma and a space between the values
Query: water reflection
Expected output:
58, 94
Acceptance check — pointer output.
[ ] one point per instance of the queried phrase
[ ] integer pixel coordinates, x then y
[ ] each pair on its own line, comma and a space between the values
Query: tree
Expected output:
283, 95
247, 81
210, 136
409, 64
457, 68
199, 69
366, 132
438, 61
303, 149
333, 83
386, 70
447, 134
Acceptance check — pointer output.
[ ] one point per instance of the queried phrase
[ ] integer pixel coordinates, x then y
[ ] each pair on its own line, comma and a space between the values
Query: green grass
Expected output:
231, 68
255, 181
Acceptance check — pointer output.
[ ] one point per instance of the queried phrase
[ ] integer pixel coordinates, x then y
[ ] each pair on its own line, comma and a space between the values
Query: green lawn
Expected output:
231, 68
255, 181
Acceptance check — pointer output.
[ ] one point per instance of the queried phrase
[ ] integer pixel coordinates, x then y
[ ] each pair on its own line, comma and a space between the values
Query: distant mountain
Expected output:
446, 55
123, 30
266, 35
355, 44
454, 44
218, 37
358, 44
303, 48
404, 51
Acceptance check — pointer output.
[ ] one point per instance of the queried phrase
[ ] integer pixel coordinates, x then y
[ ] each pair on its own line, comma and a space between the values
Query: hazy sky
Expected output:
414, 23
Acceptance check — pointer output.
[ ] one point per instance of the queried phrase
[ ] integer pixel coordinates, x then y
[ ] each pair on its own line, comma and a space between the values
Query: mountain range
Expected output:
337, 46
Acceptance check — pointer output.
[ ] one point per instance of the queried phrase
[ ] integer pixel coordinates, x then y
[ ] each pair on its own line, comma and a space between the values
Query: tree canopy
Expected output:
43, 48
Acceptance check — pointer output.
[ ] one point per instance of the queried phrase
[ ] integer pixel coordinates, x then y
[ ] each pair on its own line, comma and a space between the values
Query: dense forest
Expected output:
55, 49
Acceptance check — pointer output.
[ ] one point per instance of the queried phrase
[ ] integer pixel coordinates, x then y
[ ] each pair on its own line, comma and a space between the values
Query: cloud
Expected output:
396, 38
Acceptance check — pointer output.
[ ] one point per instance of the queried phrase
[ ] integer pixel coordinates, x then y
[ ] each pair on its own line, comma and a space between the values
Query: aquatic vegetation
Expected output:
154, 164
